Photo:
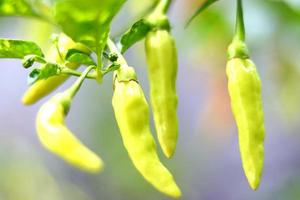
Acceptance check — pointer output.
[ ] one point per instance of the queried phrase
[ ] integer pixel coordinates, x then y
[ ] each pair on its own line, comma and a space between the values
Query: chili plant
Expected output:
85, 39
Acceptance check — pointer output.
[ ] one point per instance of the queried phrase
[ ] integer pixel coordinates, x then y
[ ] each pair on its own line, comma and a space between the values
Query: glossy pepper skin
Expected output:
44, 87
132, 115
245, 92
162, 72
58, 139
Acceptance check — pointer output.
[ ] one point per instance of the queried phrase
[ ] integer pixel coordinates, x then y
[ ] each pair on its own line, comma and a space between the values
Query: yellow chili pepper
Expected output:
44, 87
244, 88
162, 71
245, 92
132, 115
57, 138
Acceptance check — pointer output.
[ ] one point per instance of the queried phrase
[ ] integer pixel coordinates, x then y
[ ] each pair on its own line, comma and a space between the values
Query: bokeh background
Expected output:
207, 164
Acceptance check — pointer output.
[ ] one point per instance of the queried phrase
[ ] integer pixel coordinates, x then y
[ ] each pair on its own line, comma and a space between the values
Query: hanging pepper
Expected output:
43, 87
244, 87
162, 72
57, 138
132, 115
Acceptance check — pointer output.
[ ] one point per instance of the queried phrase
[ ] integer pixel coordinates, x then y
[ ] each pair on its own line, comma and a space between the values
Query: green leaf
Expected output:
205, 4
33, 8
18, 48
80, 58
137, 32
87, 21
73, 51
33, 76
16, 7
47, 70
29, 60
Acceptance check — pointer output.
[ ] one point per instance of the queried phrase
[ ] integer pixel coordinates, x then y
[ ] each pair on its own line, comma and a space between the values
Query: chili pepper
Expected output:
43, 87
132, 115
57, 138
162, 72
244, 87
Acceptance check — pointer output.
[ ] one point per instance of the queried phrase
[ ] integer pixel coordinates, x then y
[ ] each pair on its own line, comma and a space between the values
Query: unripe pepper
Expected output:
57, 138
244, 87
132, 115
162, 72
43, 87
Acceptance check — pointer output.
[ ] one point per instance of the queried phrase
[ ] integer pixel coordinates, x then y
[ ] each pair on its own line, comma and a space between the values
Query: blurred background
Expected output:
207, 163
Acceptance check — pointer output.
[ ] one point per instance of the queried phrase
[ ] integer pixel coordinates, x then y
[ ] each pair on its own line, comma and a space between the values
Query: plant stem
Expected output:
75, 87
163, 6
112, 47
240, 26
72, 72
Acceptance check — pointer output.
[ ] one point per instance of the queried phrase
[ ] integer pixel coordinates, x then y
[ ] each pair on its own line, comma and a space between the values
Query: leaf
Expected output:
29, 60
202, 7
47, 70
137, 32
18, 48
16, 7
33, 76
33, 8
80, 58
73, 51
87, 21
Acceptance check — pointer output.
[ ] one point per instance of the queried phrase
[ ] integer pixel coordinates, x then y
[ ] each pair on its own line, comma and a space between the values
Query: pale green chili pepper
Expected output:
132, 115
162, 72
57, 138
245, 92
244, 87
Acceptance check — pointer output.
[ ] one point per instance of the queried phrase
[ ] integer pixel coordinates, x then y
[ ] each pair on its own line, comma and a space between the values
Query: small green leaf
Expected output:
33, 76
137, 32
49, 69
18, 48
205, 4
80, 58
45, 71
73, 51
29, 60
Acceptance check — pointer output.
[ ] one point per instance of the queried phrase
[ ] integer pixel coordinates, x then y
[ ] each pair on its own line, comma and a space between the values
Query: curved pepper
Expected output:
162, 71
245, 92
44, 87
132, 115
57, 138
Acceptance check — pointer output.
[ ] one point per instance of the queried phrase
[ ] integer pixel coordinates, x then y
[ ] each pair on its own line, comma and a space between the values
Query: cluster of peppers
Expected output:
129, 104
132, 110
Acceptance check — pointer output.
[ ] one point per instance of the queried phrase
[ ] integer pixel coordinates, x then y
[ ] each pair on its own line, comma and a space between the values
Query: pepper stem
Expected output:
76, 86
73, 72
162, 6
238, 48
112, 47
240, 26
